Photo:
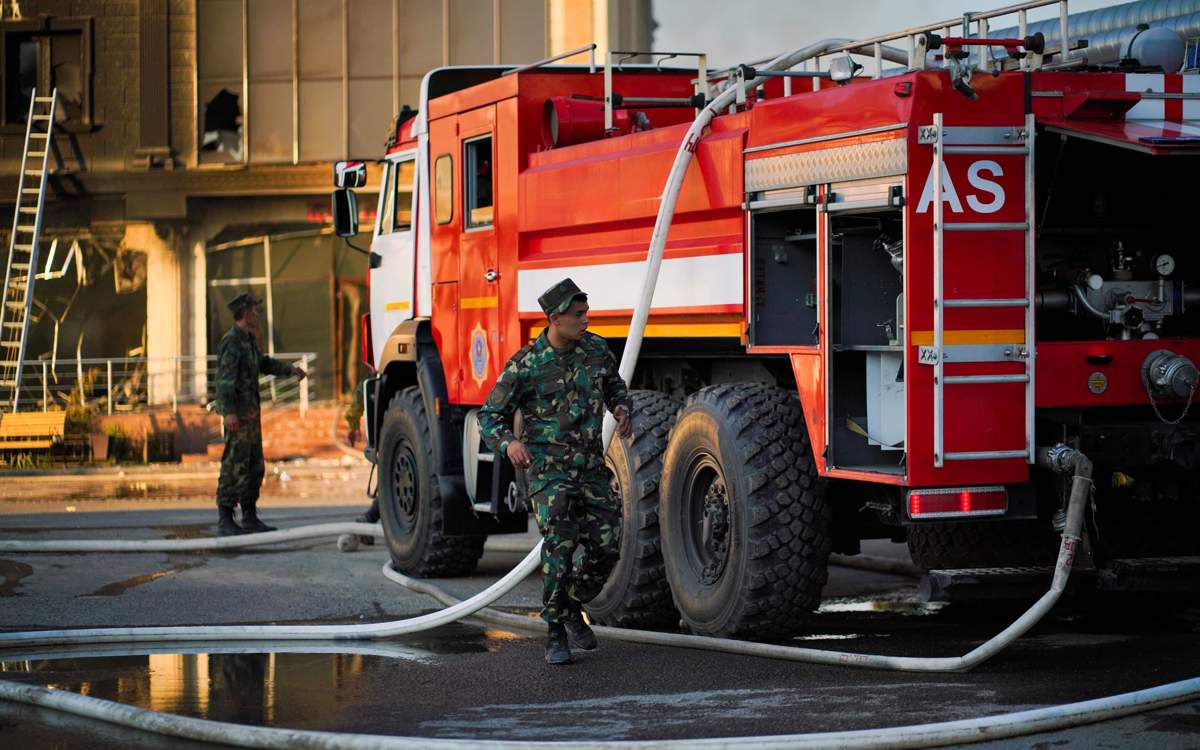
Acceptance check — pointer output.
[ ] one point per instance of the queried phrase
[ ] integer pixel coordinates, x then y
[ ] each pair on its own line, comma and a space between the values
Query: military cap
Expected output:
242, 301
559, 297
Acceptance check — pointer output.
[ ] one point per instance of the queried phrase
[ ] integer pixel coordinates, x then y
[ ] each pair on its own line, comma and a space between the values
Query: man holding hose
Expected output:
562, 383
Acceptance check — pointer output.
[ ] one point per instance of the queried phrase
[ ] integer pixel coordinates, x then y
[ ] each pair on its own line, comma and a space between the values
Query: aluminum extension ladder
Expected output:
997, 141
23, 246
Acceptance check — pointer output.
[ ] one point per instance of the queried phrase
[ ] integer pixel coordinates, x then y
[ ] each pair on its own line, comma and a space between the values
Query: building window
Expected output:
443, 187
477, 178
47, 54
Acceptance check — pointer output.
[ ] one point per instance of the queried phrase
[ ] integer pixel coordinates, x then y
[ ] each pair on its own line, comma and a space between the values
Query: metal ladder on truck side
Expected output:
995, 141
21, 270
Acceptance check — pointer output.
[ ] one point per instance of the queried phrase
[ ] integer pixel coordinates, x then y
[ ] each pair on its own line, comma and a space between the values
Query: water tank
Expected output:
1157, 48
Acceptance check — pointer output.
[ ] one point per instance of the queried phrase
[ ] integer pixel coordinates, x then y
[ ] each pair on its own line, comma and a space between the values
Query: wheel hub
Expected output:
714, 532
404, 479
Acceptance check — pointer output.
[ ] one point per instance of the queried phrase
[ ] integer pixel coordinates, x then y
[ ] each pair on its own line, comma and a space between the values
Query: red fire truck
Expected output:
881, 293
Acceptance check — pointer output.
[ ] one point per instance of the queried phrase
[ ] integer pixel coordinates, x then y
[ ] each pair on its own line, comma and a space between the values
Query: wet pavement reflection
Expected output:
306, 685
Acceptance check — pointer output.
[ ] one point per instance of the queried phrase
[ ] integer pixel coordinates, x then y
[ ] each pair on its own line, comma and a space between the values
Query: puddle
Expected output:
120, 587
270, 684
251, 688
13, 572
899, 606
838, 636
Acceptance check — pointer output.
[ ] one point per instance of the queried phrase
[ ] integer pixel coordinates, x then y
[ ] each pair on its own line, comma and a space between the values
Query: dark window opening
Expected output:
223, 125
45, 59
477, 158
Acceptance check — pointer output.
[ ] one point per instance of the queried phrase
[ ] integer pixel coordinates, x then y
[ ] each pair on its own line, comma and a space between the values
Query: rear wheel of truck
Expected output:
410, 507
991, 544
745, 521
636, 594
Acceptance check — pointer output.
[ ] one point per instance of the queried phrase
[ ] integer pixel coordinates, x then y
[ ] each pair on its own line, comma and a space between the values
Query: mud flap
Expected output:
460, 519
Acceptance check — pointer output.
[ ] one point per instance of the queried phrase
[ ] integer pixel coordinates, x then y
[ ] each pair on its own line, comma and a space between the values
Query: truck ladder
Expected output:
23, 246
994, 141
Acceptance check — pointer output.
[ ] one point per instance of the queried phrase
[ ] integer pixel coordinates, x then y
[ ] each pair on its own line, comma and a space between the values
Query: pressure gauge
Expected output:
1164, 265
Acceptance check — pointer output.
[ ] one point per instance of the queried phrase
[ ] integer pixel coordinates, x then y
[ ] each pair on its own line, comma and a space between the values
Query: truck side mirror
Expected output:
349, 174
345, 212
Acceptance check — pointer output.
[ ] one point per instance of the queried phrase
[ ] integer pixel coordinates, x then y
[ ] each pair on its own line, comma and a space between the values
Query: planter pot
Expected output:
99, 445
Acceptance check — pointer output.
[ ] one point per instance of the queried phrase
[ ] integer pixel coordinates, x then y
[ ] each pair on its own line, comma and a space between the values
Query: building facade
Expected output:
191, 132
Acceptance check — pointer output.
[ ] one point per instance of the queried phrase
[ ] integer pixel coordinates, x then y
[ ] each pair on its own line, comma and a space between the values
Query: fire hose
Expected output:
1060, 458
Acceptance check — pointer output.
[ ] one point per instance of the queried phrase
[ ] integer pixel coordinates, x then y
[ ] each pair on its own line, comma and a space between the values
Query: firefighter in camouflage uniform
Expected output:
239, 363
562, 383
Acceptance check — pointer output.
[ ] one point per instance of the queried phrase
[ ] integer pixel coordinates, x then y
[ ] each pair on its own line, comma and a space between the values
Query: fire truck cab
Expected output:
879, 297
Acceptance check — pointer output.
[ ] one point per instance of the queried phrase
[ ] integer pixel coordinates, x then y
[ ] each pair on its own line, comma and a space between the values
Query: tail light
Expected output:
957, 502
368, 346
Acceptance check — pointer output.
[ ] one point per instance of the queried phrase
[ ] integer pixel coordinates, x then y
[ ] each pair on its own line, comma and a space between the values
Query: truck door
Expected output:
393, 260
479, 287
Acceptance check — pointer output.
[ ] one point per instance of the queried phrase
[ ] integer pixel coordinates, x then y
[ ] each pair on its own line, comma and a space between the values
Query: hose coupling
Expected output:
1169, 375
1060, 458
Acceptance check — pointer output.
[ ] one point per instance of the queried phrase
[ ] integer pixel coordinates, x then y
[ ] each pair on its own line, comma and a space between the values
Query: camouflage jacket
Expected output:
562, 397
239, 363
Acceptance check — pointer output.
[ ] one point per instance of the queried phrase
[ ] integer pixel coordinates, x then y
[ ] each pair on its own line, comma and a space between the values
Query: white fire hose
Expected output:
1060, 459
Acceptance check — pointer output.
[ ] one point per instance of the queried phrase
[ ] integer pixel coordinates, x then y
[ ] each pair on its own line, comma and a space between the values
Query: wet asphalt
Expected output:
473, 682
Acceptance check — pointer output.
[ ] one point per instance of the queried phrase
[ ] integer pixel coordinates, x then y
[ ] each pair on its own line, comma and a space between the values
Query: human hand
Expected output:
519, 455
232, 423
624, 422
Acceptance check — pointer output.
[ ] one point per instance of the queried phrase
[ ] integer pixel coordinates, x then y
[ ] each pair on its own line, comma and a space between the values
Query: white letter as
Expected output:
948, 192
988, 186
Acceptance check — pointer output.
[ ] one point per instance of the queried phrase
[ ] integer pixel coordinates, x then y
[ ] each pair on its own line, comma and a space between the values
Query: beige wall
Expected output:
315, 80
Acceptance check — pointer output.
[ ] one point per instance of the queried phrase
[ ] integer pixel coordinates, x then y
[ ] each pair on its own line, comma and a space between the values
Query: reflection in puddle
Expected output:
838, 636
903, 606
304, 685
13, 572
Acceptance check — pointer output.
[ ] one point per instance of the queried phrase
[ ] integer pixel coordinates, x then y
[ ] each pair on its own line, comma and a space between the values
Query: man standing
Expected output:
562, 383
239, 363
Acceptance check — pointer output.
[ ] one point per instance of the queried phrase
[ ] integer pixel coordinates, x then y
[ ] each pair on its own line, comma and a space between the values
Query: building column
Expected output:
164, 308
198, 320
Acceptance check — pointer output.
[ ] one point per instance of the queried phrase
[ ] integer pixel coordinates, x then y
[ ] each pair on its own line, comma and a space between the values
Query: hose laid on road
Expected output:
316, 531
1060, 458
1016, 724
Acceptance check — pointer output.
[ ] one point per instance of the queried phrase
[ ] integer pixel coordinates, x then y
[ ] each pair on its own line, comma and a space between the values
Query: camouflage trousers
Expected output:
242, 466
580, 521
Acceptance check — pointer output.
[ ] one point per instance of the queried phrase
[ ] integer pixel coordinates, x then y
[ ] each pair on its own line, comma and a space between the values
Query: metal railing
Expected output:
117, 385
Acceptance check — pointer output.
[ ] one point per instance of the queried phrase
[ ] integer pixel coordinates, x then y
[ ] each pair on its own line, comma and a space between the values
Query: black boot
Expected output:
250, 522
579, 634
556, 645
226, 526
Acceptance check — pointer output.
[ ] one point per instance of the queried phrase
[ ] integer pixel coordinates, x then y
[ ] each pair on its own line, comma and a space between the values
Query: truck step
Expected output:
995, 584
1157, 574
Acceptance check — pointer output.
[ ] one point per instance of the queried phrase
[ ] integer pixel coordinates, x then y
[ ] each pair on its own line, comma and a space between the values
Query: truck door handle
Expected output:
491, 275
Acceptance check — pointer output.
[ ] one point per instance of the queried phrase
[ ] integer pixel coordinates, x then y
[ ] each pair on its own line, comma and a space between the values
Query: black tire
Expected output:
745, 521
636, 594
410, 507
942, 546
